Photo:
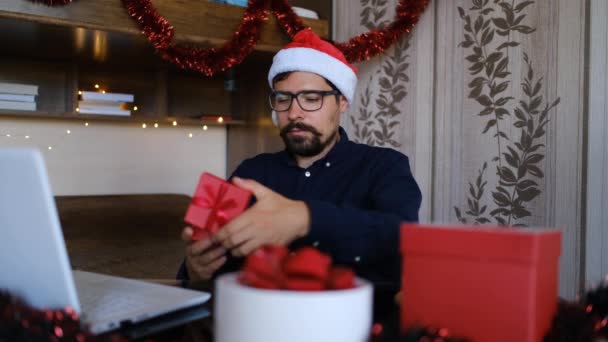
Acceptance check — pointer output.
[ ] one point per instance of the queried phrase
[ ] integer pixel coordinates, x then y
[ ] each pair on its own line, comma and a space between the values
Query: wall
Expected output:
597, 172
106, 158
487, 98
394, 94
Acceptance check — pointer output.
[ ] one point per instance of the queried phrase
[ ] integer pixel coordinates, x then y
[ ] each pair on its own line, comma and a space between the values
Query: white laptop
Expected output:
34, 264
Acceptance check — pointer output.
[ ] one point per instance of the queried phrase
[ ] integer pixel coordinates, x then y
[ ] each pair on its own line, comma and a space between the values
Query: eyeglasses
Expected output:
308, 100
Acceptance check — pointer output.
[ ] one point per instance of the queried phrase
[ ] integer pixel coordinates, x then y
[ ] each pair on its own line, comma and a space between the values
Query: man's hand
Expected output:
273, 219
203, 257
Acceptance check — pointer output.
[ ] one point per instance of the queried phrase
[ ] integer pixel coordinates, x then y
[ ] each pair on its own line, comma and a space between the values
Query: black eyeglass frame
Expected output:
292, 96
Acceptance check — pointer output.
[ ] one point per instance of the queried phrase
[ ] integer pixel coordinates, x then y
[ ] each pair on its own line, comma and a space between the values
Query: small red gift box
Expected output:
214, 203
483, 283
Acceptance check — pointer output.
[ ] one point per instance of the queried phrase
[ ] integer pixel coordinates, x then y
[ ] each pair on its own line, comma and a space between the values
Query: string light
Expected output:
77, 110
50, 148
190, 135
68, 131
135, 108
8, 135
155, 125
103, 91
86, 124
144, 125
96, 86
27, 137
80, 92
220, 119
174, 123
204, 127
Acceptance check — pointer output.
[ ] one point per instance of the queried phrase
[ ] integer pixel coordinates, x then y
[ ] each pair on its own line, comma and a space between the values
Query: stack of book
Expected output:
16, 96
93, 102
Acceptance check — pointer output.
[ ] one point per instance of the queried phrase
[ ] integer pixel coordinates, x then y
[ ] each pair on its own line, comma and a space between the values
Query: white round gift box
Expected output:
243, 313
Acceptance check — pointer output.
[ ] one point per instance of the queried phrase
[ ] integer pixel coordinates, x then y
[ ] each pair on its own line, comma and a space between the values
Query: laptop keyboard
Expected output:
115, 297
106, 302
110, 305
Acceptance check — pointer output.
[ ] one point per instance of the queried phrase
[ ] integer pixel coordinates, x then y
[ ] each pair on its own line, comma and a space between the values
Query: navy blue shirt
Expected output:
357, 196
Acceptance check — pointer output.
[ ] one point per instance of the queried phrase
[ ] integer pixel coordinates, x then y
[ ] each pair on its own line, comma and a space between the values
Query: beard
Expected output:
302, 145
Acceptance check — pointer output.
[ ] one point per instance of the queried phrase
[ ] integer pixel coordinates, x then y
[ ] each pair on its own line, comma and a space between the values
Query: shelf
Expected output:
195, 21
134, 120
65, 49
159, 92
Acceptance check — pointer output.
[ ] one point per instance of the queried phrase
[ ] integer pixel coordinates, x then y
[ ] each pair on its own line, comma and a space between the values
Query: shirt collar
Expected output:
335, 154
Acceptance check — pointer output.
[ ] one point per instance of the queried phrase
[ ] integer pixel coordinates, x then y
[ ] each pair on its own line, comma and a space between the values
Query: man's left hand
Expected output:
273, 219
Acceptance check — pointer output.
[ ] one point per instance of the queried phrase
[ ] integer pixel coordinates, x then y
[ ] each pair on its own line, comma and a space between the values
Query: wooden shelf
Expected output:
134, 120
65, 49
195, 21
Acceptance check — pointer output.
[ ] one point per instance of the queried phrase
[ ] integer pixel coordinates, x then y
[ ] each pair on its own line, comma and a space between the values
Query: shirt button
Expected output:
307, 173
315, 244
328, 164
357, 258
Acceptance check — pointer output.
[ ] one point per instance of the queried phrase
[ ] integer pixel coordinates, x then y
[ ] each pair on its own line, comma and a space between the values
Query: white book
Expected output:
108, 108
109, 97
98, 104
108, 111
17, 97
17, 105
18, 88
105, 107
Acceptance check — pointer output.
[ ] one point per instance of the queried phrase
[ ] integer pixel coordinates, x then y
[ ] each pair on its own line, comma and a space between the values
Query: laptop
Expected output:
35, 267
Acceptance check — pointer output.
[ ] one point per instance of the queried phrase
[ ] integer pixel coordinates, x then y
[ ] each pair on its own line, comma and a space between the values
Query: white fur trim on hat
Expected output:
315, 61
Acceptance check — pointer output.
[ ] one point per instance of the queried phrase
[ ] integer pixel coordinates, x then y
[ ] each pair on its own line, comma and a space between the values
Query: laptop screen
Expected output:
34, 264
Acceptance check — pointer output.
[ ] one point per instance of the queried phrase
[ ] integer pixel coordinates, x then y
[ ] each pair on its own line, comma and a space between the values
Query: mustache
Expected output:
301, 126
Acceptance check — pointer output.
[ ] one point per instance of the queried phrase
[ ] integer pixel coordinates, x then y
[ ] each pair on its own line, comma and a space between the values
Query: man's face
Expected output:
308, 133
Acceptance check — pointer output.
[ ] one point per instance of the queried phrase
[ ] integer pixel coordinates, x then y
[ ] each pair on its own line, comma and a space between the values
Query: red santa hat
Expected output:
308, 52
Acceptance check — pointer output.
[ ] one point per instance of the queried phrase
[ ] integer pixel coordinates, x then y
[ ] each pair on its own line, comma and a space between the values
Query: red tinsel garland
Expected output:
372, 43
207, 61
53, 2
210, 61
574, 321
286, 17
20, 322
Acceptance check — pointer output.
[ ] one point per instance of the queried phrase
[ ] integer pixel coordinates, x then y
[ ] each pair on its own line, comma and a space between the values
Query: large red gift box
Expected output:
484, 283
214, 203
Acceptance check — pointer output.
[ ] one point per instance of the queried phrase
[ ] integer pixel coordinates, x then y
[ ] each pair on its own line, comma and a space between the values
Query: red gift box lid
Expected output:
202, 212
522, 245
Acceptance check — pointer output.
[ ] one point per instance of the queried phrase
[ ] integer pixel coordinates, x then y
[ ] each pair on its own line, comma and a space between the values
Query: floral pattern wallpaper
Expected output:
486, 98
377, 118
517, 157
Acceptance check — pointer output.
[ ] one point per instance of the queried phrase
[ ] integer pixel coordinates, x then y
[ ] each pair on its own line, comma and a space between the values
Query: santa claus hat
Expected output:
308, 52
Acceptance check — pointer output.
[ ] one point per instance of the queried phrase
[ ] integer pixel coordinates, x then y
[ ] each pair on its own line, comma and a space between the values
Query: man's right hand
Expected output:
203, 257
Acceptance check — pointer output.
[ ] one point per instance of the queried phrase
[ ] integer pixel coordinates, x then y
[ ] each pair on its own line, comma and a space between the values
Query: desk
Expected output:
195, 331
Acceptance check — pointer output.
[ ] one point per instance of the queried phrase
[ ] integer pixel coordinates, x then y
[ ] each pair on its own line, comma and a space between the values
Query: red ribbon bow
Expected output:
307, 269
217, 204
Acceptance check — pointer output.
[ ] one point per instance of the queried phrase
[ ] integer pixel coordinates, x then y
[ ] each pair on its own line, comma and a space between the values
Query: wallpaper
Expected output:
487, 99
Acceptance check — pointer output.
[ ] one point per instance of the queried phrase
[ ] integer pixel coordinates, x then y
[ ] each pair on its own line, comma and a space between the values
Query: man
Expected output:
344, 198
